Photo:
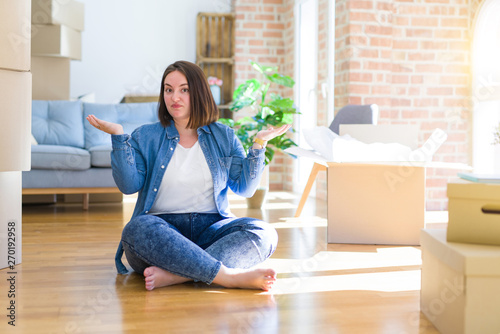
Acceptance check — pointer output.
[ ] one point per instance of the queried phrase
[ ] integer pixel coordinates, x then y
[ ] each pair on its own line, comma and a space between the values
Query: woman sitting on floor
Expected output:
181, 229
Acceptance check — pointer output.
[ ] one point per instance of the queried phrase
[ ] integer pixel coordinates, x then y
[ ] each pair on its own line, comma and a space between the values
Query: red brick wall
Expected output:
412, 58
259, 35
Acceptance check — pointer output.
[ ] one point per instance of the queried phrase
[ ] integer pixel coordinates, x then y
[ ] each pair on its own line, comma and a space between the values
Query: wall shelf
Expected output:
215, 52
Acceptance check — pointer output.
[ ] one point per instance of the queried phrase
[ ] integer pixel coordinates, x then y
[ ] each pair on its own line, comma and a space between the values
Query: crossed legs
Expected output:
173, 249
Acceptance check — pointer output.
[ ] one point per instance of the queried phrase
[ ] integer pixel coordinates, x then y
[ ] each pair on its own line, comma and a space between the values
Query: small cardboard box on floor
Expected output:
380, 202
460, 291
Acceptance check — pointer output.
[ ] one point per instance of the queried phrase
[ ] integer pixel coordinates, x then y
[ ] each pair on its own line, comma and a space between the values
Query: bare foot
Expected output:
156, 278
262, 279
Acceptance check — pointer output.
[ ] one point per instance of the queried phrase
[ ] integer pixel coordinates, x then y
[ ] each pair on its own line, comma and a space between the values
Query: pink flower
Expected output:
214, 81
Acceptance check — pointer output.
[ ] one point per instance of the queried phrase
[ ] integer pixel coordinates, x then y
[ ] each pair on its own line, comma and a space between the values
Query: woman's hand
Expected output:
270, 133
108, 127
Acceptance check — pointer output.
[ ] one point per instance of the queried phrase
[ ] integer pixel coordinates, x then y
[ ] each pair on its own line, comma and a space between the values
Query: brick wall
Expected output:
411, 58
259, 35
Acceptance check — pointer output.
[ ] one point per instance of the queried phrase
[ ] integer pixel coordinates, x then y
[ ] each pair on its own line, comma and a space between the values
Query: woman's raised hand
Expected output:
108, 127
271, 132
268, 134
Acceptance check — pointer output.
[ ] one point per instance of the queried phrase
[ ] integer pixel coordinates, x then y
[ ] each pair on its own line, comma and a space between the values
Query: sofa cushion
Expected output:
100, 156
59, 157
129, 115
57, 123
89, 178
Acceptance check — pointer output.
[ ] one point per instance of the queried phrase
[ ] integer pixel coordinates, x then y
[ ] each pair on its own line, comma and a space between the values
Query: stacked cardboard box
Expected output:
15, 122
460, 284
474, 210
461, 265
56, 39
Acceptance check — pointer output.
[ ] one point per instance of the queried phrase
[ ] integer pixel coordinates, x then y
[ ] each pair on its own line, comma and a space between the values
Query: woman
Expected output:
182, 167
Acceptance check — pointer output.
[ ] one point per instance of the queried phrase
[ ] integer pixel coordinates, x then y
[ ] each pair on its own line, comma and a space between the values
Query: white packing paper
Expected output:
330, 147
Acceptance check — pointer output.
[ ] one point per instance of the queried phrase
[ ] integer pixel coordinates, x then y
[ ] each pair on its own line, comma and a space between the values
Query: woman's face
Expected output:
176, 96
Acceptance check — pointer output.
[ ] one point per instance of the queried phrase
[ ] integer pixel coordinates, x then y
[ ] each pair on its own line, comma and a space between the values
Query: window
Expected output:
306, 78
486, 88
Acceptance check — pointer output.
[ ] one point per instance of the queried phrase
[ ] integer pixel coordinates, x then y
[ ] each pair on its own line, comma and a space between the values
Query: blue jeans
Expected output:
194, 245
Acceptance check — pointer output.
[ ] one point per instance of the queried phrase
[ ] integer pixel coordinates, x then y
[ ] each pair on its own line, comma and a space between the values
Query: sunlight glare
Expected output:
328, 261
396, 281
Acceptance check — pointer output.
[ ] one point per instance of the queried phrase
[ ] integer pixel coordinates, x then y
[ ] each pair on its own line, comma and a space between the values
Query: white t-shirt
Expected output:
187, 184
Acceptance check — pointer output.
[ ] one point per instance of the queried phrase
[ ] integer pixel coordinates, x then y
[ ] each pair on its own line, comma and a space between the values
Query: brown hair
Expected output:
203, 108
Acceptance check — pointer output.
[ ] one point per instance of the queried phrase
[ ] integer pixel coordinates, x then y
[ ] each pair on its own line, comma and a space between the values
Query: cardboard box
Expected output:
375, 204
15, 120
10, 218
474, 212
51, 78
68, 12
378, 202
460, 291
56, 41
15, 35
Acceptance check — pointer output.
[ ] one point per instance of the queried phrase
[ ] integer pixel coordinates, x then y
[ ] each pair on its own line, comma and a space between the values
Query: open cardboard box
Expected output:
380, 202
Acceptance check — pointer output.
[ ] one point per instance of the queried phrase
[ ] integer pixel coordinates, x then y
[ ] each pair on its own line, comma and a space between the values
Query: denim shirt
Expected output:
140, 160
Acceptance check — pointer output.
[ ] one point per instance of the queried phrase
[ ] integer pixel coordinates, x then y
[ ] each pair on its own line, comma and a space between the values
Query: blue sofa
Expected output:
72, 157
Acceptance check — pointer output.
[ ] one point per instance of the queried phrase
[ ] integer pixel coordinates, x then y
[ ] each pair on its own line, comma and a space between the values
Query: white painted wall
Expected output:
127, 44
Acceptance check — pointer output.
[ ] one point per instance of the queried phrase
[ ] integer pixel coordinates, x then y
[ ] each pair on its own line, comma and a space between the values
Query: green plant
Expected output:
274, 111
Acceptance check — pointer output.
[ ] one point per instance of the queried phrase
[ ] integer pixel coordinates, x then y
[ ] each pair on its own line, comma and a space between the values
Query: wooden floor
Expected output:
67, 281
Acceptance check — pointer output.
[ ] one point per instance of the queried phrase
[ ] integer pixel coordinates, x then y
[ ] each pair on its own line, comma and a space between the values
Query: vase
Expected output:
215, 93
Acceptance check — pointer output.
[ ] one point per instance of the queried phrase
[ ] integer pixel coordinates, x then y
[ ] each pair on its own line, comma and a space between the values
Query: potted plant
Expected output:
267, 109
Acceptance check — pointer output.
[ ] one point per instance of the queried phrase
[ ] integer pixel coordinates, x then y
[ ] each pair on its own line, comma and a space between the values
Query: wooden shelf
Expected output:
215, 52
207, 60
224, 106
